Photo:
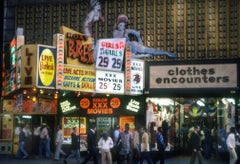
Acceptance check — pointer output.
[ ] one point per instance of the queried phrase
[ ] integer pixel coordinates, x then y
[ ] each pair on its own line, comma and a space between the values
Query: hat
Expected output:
44, 124
122, 18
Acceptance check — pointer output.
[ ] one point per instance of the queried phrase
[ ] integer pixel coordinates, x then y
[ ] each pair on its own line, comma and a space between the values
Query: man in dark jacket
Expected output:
92, 145
160, 145
75, 152
195, 142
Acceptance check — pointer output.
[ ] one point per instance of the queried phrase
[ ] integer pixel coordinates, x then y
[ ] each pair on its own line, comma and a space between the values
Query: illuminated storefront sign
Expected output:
128, 70
28, 66
78, 48
67, 106
100, 105
133, 105
46, 66
79, 78
109, 82
58, 41
194, 76
110, 54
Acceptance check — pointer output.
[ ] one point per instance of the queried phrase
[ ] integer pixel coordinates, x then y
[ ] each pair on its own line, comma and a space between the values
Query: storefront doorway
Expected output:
34, 122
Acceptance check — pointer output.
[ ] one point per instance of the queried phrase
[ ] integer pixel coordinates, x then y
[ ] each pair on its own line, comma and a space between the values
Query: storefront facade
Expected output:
180, 95
106, 112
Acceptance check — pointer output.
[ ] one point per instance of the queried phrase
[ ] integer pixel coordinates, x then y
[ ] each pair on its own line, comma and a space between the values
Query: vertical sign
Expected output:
128, 70
58, 41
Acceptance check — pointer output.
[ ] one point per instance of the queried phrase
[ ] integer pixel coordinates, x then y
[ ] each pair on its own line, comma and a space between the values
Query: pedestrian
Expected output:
231, 145
48, 141
21, 145
115, 135
43, 141
92, 145
28, 133
207, 142
126, 139
59, 142
145, 148
75, 147
105, 144
195, 142
160, 145
136, 147
138, 50
36, 138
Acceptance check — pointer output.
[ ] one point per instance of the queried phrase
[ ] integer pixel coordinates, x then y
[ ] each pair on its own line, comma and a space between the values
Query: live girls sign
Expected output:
222, 75
109, 54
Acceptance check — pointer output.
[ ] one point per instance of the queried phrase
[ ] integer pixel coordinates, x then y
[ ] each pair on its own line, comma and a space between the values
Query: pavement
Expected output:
34, 160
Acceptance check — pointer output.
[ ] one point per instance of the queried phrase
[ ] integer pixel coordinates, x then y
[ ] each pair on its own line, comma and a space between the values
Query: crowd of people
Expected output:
123, 146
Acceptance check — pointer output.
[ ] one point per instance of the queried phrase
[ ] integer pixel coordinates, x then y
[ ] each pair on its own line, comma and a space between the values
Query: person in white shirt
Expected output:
59, 142
231, 145
105, 144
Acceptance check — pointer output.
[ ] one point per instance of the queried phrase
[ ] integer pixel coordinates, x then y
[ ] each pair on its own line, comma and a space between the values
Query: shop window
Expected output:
68, 123
178, 115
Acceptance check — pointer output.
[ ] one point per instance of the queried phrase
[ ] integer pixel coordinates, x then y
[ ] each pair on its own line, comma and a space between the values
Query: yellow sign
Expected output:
46, 67
79, 78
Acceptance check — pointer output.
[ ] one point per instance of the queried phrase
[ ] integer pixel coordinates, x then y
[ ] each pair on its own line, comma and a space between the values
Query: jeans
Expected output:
146, 156
58, 150
43, 145
74, 153
21, 149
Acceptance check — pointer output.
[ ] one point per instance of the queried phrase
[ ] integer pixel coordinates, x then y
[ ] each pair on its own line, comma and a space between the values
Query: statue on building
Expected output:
93, 16
138, 50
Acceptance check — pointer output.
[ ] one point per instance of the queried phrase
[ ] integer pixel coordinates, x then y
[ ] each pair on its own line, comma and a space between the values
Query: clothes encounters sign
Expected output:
193, 76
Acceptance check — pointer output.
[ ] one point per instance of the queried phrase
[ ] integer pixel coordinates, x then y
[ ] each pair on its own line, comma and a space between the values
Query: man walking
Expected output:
75, 152
92, 145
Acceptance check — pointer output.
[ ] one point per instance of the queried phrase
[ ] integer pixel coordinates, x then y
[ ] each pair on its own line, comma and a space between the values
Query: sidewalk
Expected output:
31, 160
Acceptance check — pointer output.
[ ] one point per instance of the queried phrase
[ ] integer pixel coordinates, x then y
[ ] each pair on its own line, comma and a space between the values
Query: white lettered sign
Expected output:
109, 82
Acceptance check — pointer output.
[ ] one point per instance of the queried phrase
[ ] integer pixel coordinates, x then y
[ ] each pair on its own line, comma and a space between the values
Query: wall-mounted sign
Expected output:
100, 105
66, 106
128, 70
133, 105
109, 82
18, 69
137, 77
110, 54
28, 66
193, 76
79, 78
78, 48
46, 66
13, 47
58, 41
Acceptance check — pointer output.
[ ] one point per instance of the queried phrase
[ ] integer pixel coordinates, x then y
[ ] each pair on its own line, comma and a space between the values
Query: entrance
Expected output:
34, 122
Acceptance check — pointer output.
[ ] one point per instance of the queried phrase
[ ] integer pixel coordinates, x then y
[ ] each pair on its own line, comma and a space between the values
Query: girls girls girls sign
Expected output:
109, 54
